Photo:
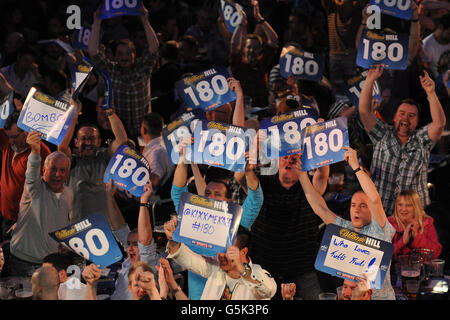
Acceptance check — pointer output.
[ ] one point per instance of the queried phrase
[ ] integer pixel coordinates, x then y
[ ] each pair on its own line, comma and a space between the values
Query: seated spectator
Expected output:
414, 228
45, 283
359, 290
235, 278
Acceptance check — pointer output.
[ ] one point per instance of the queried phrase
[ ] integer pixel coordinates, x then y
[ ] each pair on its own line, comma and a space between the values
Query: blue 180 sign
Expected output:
396, 8
115, 8
6, 108
302, 64
230, 14
389, 49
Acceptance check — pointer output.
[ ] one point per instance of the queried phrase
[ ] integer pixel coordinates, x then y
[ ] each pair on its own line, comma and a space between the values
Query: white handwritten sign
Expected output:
349, 255
207, 223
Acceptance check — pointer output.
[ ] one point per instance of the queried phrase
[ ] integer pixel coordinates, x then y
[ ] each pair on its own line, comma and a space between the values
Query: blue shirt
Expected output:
250, 210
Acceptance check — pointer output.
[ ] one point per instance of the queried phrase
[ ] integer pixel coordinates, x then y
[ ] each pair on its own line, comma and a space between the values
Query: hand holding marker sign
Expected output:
322, 143
206, 90
46, 115
207, 223
92, 239
390, 49
349, 255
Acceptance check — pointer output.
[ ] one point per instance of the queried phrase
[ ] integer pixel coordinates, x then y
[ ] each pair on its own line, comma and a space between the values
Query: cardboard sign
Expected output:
389, 49
207, 223
115, 8
182, 127
284, 132
396, 8
301, 64
129, 170
231, 14
349, 255
80, 75
92, 239
81, 39
206, 90
6, 108
46, 115
221, 145
322, 143
107, 84
354, 87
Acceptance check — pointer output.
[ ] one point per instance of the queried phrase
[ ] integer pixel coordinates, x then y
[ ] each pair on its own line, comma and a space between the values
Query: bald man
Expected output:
45, 283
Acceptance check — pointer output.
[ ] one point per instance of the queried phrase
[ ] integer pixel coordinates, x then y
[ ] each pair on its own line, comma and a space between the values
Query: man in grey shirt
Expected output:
45, 207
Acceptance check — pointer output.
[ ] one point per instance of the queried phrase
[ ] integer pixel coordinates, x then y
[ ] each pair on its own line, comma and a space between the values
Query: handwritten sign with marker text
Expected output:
207, 223
92, 239
46, 115
349, 255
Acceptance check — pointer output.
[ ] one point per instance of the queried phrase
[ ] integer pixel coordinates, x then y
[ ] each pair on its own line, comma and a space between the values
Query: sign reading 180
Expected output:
206, 89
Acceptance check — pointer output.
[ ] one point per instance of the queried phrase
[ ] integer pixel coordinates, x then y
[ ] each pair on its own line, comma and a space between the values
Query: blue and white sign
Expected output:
396, 8
60, 43
231, 14
206, 90
284, 132
80, 75
354, 87
221, 145
46, 115
301, 64
81, 39
92, 239
107, 84
389, 49
182, 128
115, 8
207, 223
349, 255
129, 170
6, 108
322, 143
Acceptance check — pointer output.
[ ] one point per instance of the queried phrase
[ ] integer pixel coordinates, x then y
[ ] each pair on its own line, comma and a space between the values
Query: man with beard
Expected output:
251, 57
15, 151
401, 152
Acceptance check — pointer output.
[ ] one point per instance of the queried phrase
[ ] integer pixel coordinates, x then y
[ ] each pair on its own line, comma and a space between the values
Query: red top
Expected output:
426, 239
13, 176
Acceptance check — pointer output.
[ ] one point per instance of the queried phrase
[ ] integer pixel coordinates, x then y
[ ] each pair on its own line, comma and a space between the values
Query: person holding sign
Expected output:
217, 189
250, 57
15, 152
366, 212
45, 206
130, 76
401, 152
235, 278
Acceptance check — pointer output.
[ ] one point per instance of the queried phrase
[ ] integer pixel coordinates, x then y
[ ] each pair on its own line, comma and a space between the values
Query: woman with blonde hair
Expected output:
414, 228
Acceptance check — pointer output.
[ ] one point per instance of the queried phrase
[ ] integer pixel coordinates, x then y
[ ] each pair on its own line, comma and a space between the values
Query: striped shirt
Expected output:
285, 233
131, 88
396, 167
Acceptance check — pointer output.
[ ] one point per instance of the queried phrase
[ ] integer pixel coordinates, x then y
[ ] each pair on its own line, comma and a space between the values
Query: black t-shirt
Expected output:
285, 233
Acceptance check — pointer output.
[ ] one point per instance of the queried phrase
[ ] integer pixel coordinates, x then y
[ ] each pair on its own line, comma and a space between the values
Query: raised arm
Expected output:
438, 119
239, 36
145, 230
239, 113
200, 183
314, 198
368, 118
150, 35
221, 24
320, 179
369, 188
118, 130
64, 146
91, 275
94, 38
414, 33
264, 27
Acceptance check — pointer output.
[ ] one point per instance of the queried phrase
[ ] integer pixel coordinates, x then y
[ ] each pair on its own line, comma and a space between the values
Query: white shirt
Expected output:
433, 51
156, 154
72, 289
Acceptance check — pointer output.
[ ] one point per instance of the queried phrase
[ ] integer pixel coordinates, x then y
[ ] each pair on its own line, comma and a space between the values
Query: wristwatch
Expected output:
109, 112
356, 170
247, 269
144, 205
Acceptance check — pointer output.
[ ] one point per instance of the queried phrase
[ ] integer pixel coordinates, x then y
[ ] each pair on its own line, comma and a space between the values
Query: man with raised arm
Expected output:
366, 212
401, 152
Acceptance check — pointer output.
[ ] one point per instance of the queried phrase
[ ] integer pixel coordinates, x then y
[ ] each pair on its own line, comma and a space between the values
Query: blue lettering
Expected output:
37, 117
337, 255
356, 262
340, 244
187, 211
357, 249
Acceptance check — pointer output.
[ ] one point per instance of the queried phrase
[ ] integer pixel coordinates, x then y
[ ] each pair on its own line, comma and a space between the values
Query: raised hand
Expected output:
427, 83
148, 191
288, 291
91, 274
351, 156
375, 72
170, 226
34, 141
